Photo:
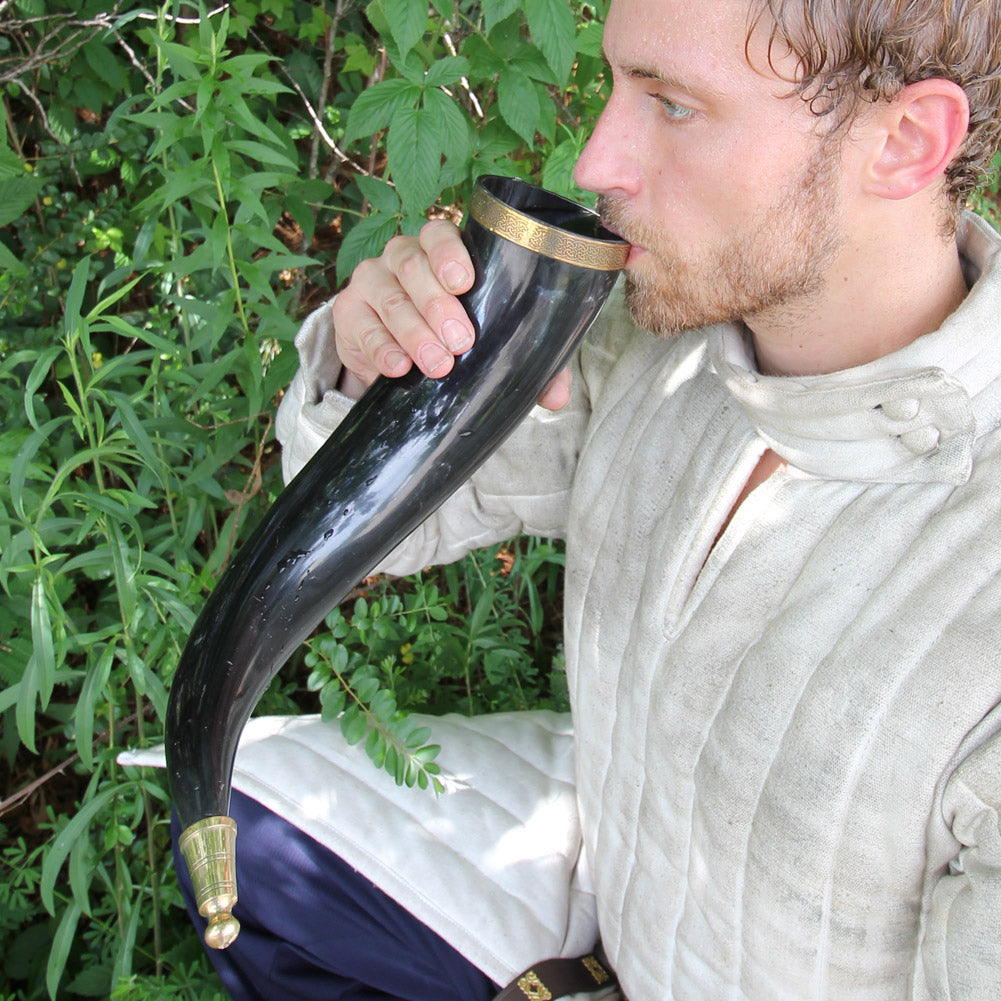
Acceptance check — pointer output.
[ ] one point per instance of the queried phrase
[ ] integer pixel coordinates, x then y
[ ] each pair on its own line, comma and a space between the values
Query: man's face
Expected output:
703, 159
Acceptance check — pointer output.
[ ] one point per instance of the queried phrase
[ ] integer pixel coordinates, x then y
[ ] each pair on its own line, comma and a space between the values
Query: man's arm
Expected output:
961, 946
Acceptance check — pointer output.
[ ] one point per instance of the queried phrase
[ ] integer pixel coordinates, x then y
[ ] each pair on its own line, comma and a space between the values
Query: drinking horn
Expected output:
544, 266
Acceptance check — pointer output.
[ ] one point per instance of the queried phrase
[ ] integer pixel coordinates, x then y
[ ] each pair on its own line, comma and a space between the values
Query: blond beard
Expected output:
777, 260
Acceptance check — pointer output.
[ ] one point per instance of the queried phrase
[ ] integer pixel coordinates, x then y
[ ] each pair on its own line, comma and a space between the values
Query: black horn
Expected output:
544, 267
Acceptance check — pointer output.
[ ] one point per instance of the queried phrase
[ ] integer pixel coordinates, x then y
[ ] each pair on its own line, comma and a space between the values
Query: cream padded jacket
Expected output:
788, 769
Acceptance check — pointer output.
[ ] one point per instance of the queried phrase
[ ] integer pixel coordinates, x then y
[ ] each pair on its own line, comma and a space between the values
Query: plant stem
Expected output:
154, 872
234, 273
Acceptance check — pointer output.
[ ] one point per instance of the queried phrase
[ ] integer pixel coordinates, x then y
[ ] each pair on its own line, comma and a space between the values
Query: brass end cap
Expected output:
209, 850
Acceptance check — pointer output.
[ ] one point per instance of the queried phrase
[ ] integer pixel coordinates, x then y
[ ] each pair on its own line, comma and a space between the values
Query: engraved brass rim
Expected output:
550, 241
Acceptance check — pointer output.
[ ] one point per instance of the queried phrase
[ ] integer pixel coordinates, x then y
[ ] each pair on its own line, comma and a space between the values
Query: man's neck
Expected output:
874, 301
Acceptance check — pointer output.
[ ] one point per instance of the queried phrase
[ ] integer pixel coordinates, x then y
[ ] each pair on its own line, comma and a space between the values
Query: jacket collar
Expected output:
909, 417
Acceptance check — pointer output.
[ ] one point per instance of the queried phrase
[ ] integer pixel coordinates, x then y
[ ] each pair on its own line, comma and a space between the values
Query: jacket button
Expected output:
902, 410
921, 441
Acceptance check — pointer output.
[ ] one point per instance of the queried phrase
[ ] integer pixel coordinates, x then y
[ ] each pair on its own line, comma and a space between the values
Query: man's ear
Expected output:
918, 134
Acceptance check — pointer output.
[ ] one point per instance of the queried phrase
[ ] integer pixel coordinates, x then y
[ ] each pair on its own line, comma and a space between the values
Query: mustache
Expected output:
614, 218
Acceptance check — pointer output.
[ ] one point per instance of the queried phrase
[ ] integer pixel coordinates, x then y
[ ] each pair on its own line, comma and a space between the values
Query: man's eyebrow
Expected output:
642, 72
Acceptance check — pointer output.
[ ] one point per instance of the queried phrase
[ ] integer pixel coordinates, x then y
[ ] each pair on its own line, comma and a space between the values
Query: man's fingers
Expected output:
557, 394
402, 308
427, 320
447, 256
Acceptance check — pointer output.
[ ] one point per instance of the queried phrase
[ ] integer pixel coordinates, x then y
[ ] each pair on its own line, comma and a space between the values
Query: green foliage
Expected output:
987, 201
514, 95
472, 637
177, 187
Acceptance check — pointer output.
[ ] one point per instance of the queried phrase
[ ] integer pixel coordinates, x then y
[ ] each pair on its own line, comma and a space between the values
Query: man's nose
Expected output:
610, 162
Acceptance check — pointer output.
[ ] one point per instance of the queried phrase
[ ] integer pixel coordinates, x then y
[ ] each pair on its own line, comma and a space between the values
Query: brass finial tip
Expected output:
209, 850
221, 931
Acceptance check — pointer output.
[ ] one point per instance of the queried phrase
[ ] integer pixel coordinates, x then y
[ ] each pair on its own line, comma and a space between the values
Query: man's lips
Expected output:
635, 253
635, 250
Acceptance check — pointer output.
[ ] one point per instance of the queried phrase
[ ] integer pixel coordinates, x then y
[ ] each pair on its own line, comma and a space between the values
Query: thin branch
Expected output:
146, 16
134, 59
473, 100
17, 798
45, 125
328, 75
51, 47
321, 131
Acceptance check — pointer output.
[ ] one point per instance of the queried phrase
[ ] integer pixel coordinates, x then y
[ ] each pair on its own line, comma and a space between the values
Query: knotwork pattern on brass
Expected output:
533, 988
598, 255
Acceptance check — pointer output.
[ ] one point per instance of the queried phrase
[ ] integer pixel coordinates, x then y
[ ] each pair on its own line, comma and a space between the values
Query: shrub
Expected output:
177, 188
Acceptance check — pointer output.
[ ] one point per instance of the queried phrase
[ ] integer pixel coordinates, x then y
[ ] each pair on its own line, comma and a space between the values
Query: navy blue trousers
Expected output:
313, 929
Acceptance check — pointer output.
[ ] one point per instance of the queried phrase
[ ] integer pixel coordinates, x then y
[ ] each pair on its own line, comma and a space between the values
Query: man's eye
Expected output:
674, 110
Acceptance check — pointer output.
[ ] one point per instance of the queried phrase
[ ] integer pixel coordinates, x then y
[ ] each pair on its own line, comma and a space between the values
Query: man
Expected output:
783, 600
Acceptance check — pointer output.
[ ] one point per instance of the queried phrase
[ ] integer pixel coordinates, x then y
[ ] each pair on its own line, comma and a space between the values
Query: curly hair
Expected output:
855, 51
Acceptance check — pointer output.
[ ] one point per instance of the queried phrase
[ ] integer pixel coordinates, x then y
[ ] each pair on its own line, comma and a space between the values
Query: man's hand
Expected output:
401, 308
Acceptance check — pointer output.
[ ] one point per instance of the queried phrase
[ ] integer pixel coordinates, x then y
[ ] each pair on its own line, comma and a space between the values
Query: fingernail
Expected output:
455, 275
433, 359
396, 361
456, 336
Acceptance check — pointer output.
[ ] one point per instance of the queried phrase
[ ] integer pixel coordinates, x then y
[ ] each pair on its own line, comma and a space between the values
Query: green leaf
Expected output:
61, 943
16, 196
332, 699
383, 705
455, 136
381, 196
418, 736
518, 102
447, 71
365, 688
557, 174
481, 610
483, 60
81, 870
354, 726
43, 649
11, 165
126, 946
554, 31
10, 264
407, 21
138, 436
39, 373
9, 696
262, 153
365, 239
110, 300
78, 827
413, 145
589, 39
495, 11
125, 571
74, 298
374, 109
84, 715
375, 747
24, 714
